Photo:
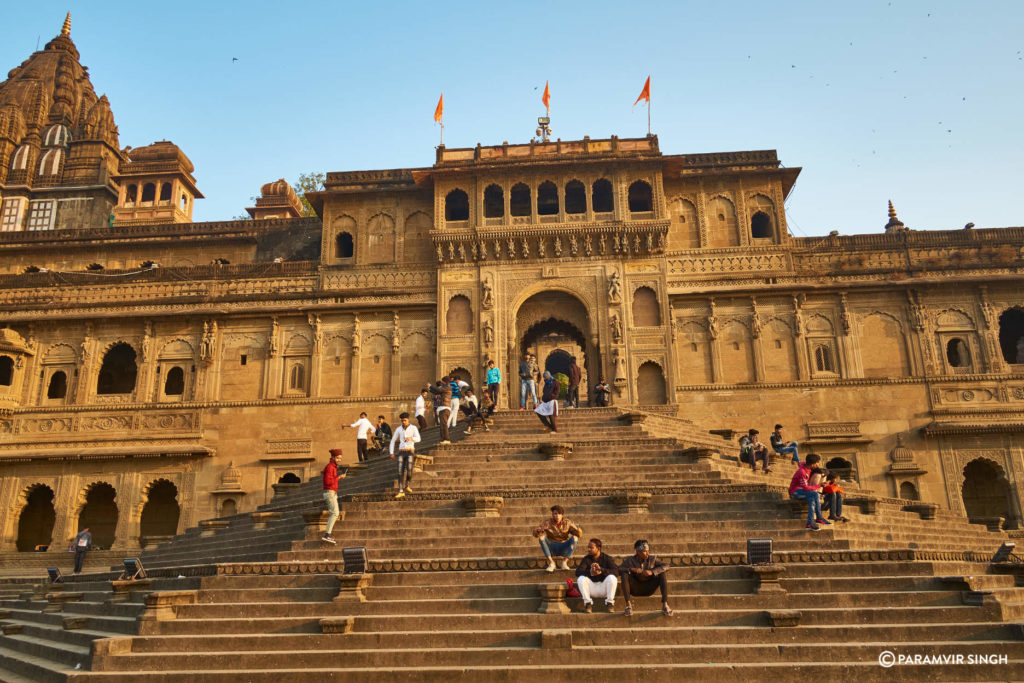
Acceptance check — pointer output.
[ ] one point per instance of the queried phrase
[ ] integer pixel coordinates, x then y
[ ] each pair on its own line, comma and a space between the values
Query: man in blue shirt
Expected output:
493, 381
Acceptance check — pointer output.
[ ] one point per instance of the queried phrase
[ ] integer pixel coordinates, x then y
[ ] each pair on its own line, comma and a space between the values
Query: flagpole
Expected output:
648, 116
442, 132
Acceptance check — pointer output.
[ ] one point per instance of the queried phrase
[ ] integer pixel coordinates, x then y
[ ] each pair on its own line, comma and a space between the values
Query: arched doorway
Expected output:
986, 493
99, 514
161, 511
289, 478
553, 326
35, 525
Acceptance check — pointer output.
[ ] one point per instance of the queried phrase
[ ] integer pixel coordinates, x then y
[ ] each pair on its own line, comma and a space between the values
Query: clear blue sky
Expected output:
920, 102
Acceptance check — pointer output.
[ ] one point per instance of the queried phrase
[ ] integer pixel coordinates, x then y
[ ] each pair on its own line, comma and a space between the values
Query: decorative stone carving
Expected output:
488, 331
487, 300
272, 343
555, 451
614, 288
616, 324
780, 618
352, 585
483, 506
231, 478
552, 599
766, 577
632, 502
620, 370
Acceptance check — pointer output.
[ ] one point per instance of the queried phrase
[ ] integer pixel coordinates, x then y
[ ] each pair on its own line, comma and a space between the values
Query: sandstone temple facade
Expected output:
156, 371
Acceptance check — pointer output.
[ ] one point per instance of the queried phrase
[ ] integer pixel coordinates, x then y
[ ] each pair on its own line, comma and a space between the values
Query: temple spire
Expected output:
66, 30
894, 223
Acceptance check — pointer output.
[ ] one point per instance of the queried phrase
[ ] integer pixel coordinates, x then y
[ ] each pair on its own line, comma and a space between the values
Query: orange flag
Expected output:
645, 94
546, 98
440, 109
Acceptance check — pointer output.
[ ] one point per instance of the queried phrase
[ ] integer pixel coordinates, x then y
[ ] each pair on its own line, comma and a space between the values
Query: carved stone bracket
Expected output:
483, 506
555, 451
552, 599
926, 510
780, 618
991, 523
260, 520
699, 453
766, 578
352, 586
160, 606
868, 506
209, 527
632, 502
337, 624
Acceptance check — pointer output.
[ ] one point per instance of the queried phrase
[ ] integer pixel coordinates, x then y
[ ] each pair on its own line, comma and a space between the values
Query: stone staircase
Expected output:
456, 587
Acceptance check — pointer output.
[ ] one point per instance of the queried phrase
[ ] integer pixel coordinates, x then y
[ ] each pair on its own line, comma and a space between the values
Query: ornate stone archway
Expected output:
553, 319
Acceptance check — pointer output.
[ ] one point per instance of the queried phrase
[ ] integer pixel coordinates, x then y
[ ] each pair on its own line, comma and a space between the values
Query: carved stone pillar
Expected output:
8, 497
85, 369
991, 353
356, 343
316, 361
65, 524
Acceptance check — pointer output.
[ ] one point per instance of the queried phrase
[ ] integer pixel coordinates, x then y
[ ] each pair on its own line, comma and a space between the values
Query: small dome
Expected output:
231, 478
899, 452
279, 187
12, 341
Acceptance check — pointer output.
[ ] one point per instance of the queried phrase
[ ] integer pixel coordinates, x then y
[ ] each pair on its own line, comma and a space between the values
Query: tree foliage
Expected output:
308, 182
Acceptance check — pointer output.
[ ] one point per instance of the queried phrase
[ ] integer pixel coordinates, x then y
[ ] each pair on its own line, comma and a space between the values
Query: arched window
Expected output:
228, 508
823, 358
575, 197
174, 385
459, 317
650, 384
547, 199
909, 492
640, 197
289, 478
494, 202
20, 160
601, 197
760, 225
131, 195
456, 206
6, 371
184, 201
646, 312
118, 372
297, 377
58, 387
343, 246
519, 200
50, 163
148, 192
1011, 335
957, 353
165, 192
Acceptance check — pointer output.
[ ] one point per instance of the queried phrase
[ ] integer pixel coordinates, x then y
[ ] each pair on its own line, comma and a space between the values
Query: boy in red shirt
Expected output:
833, 499
331, 477
805, 486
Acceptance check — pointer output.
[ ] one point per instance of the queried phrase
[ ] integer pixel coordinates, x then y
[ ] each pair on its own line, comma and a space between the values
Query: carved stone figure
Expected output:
488, 332
558, 247
587, 248
440, 254
207, 343
272, 341
396, 335
713, 326
616, 323
541, 248
573, 245
147, 342
615, 288
526, 249
600, 244
620, 365
357, 337
488, 293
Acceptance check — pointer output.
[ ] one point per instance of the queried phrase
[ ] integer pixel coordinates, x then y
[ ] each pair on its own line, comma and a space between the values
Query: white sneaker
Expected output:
564, 565
550, 567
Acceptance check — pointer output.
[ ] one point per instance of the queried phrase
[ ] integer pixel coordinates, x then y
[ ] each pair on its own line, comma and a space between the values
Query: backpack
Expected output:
746, 445
572, 591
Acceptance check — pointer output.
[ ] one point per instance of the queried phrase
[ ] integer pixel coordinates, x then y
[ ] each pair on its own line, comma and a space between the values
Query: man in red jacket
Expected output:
805, 486
331, 478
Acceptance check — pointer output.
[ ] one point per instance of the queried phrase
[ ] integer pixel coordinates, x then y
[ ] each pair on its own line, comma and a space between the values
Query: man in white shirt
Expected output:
406, 436
363, 429
421, 408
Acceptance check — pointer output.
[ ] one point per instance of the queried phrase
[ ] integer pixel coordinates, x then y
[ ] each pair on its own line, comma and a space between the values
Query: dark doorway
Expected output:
1011, 335
100, 514
58, 387
161, 511
118, 372
986, 493
558, 361
6, 371
909, 492
35, 526
289, 478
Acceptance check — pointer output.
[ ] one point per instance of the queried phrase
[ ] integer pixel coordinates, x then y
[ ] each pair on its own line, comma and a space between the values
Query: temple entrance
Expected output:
35, 526
99, 514
552, 326
161, 511
986, 493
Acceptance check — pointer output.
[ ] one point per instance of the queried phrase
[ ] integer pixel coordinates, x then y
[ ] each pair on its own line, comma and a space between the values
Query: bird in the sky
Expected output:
234, 59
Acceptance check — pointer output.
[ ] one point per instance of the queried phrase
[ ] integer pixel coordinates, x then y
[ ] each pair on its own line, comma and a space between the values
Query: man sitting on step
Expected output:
780, 446
597, 577
752, 450
642, 574
406, 436
805, 486
833, 498
471, 407
557, 536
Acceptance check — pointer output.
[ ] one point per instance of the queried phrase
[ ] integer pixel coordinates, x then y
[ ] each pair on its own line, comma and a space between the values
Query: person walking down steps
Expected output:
331, 477
81, 545
406, 436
